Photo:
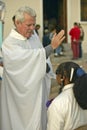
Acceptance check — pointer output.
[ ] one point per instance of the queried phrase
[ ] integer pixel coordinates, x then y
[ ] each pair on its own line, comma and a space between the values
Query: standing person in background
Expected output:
81, 40
23, 71
59, 50
52, 31
68, 111
37, 27
46, 40
75, 37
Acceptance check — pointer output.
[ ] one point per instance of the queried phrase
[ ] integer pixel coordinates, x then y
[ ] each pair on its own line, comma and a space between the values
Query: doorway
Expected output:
55, 11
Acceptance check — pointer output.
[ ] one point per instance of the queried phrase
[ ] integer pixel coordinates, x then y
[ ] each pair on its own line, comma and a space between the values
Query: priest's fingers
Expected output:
57, 39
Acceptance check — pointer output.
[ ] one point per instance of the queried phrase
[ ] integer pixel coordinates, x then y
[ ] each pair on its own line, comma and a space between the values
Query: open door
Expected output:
55, 11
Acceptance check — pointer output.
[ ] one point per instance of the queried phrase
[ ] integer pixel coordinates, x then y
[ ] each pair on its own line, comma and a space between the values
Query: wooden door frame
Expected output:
65, 17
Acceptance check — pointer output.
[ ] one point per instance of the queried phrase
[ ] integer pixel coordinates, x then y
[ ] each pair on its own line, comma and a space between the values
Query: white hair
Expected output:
19, 15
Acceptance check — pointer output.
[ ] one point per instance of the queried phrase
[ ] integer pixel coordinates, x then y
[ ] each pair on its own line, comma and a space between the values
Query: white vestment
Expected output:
21, 91
34, 42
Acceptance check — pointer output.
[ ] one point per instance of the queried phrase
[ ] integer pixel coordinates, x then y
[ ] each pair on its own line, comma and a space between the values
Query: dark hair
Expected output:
38, 25
65, 70
13, 19
77, 76
75, 23
80, 91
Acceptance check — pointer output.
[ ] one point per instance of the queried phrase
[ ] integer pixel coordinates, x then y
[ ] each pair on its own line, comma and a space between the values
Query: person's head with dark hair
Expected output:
75, 24
67, 72
58, 29
37, 27
52, 28
70, 72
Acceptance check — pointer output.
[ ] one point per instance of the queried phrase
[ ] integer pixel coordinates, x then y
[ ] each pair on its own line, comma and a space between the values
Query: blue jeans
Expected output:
58, 50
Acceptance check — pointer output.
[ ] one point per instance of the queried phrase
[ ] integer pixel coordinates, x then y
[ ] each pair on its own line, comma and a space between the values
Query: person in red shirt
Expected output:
75, 36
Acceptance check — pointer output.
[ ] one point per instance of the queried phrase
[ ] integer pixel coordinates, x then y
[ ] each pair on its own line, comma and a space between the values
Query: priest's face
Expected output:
26, 27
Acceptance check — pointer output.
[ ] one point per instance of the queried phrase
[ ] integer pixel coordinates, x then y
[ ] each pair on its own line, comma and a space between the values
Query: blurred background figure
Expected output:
52, 30
75, 37
37, 27
81, 40
46, 40
59, 51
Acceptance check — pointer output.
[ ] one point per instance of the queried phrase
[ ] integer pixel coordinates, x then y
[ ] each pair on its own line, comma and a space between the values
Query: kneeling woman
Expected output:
68, 110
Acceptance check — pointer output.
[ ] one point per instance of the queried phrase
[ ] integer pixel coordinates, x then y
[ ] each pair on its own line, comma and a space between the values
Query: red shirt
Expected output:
75, 33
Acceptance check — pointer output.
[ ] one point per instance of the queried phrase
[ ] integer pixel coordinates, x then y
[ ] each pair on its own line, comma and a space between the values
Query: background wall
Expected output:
73, 15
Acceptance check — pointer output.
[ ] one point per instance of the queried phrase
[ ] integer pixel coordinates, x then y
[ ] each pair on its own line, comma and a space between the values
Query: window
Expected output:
83, 4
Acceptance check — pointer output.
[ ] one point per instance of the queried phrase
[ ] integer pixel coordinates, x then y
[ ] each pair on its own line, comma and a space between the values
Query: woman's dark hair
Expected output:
76, 75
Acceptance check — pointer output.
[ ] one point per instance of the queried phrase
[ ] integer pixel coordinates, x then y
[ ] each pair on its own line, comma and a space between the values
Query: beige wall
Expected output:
73, 11
13, 5
73, 14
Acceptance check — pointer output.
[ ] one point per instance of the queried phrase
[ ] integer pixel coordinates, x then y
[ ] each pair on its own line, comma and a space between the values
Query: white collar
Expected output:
68, 86
15, 34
